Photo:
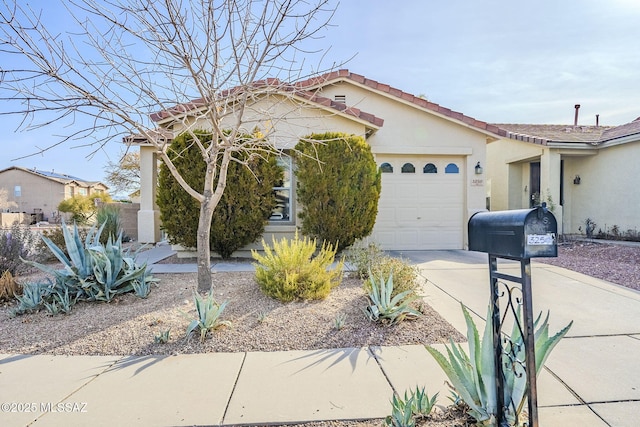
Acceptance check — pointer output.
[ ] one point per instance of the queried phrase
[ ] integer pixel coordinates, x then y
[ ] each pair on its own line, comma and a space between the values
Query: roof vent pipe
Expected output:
597, 120
575, 120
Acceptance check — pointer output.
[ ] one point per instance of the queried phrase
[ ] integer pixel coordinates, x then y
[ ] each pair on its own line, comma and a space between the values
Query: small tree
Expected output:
5, 203
124, 176
339, 191
83, 208
121, 63
243, 210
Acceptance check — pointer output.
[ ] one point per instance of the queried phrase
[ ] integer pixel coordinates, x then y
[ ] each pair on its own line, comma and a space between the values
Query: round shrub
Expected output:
338, 187
242, 213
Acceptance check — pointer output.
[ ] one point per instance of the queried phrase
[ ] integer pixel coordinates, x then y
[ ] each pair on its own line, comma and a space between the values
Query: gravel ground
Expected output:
615, 263
128, 325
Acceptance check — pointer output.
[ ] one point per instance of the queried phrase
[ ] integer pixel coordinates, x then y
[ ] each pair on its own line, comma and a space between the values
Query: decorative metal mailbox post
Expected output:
515, 235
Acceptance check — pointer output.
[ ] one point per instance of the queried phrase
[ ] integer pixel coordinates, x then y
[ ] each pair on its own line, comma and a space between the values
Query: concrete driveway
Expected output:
594, 372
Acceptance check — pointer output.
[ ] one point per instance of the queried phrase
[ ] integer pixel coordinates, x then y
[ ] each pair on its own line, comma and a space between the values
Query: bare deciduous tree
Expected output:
191, 62
124, 176
5, 203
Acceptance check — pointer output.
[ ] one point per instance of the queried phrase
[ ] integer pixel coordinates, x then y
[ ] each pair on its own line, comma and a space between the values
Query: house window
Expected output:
282, 211
408, 168
430, 168
451, 168
386, 168
17, 191
82, 191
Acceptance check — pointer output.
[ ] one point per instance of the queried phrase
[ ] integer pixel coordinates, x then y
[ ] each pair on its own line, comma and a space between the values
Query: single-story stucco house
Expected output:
432, 158
40, 192
582, 172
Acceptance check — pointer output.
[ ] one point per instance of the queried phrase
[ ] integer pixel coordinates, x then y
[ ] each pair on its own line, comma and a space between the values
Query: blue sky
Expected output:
497, 61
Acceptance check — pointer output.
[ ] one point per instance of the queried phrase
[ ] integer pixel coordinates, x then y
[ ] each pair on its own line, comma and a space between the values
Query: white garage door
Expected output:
421, 211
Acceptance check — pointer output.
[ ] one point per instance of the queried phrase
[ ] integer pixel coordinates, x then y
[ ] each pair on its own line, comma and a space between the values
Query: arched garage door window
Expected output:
408, 168
386, 168
430, 168
451, 168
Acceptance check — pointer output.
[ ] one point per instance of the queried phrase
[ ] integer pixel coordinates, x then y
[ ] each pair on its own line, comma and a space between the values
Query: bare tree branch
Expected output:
119, 64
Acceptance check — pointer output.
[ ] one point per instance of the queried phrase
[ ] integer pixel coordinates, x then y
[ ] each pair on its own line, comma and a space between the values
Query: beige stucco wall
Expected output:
37, 192
407, 130
410, 130
508, 169
608, 192
285, 121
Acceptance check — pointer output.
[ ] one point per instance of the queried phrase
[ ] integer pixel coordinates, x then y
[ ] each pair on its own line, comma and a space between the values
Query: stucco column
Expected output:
149, 214
550, 182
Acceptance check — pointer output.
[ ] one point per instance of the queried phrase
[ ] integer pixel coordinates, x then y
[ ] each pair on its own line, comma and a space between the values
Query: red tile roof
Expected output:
277, 86
344, 74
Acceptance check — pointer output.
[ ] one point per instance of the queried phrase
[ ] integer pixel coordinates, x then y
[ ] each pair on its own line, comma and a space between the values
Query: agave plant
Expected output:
385, 309
473, 375
209, 312
421, 403
92, 271
114, 272
415, 405
32, 296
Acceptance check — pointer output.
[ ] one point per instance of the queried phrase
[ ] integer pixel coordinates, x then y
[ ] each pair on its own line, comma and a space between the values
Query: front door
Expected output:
534, 184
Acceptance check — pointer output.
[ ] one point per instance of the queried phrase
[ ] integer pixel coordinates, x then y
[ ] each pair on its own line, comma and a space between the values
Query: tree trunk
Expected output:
204, 249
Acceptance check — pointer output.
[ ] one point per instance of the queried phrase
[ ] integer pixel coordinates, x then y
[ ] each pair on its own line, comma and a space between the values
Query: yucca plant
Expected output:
209, 312
473, 375
386, 309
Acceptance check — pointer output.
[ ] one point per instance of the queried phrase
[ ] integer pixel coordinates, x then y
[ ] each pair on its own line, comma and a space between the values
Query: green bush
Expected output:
338, 188
83, 208
372, 259
289, 271
242, 213
405, 275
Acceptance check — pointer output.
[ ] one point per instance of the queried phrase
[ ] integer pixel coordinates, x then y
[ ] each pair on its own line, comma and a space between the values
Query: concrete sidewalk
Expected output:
591, 379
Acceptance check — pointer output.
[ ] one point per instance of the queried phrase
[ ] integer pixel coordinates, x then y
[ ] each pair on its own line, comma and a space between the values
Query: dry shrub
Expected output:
9, 288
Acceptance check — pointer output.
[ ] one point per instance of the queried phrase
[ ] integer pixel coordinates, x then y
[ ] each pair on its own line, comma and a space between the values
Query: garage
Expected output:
421, 203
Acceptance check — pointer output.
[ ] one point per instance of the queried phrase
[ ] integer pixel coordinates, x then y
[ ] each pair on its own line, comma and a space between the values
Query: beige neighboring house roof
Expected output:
58, 177
549, 134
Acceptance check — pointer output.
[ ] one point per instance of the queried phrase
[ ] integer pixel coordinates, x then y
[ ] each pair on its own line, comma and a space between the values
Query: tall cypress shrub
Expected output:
243, 211
339, 191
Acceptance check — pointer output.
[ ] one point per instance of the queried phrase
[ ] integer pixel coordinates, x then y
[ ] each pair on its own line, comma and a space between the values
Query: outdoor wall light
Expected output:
478, 169
576, 180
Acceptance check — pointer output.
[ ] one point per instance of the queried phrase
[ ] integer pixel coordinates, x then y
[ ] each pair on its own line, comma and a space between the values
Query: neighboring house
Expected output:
585, 172
428, 155
39, 192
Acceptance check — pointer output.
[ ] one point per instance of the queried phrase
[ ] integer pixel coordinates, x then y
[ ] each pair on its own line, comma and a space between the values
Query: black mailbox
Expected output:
521, 233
